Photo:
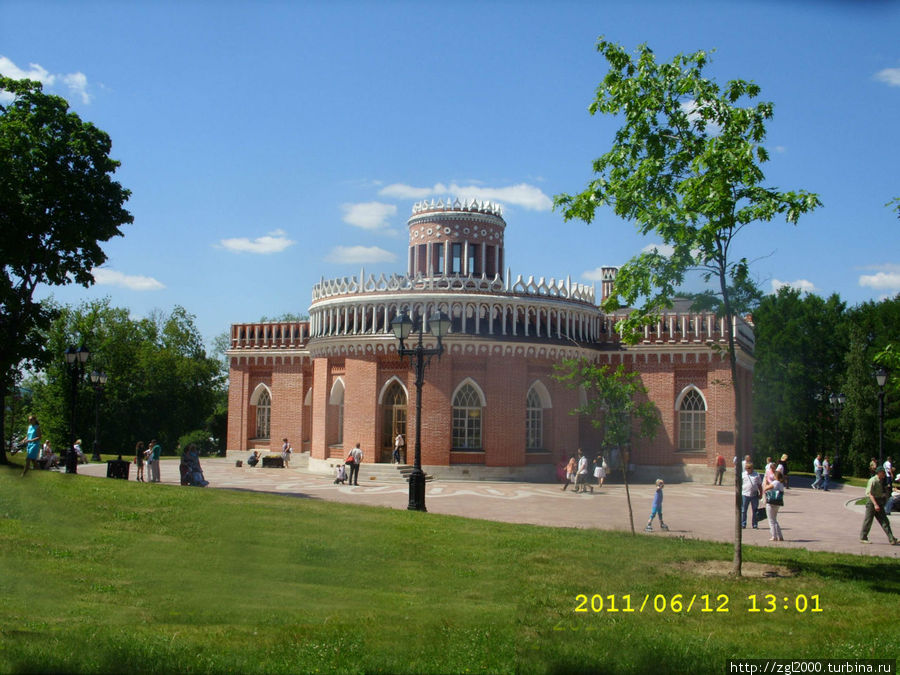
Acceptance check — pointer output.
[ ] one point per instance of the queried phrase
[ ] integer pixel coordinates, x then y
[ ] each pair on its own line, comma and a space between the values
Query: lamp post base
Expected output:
417, 490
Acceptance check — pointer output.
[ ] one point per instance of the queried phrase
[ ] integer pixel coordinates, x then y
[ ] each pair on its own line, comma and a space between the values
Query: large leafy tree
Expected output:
801, 342
685, 167
874, 328
616, 403
58, 203
161, 382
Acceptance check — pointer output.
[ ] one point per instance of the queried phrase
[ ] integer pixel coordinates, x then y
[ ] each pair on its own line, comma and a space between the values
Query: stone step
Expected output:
388, 472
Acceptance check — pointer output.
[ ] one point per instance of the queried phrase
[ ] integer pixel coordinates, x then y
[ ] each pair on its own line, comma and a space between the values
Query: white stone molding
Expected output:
258, 391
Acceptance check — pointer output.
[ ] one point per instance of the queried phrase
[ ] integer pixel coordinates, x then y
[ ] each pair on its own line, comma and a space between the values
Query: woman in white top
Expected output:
772, 509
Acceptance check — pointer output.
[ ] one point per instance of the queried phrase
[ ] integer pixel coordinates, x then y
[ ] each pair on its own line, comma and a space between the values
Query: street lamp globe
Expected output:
881, 376
402, 326
439, 324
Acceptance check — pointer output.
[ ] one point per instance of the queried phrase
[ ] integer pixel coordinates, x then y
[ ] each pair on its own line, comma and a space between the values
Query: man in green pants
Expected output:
877, 497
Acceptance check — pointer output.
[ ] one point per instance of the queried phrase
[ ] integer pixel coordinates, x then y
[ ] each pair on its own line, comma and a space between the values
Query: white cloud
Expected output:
76, 82
890, 76
883, 281
274, 242
523, 194
665, 250
368, 215
360, 254
34, 72
802, 285
108, 277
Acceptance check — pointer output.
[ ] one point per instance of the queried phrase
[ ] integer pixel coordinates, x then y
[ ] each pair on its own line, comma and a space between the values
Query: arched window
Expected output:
692, 421
337, 399
534, 421
263, 414
467, 419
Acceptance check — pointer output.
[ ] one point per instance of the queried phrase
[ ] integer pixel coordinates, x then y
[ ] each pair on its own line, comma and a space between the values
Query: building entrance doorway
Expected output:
393, 422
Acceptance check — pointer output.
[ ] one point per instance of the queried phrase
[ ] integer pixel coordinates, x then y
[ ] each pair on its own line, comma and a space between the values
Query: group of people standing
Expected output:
147, 455
579, 469
770, 486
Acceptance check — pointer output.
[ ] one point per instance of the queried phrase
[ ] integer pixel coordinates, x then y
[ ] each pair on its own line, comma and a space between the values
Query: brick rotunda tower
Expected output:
463, 239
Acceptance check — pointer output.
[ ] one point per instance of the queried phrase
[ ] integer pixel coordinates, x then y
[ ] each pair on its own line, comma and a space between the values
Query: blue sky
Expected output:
269, 144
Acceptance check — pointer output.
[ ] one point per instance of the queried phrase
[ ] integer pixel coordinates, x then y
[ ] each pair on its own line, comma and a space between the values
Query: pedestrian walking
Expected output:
875, 493
817, 470
774, 491
32, 442
720, 469
353, 461
139, 460
286, 452
826, 473
399, 443
656, 508
582, 473
600, 470
751, 491
570, 473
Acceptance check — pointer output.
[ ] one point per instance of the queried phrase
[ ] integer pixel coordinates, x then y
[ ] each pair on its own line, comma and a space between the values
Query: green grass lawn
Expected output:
102, 575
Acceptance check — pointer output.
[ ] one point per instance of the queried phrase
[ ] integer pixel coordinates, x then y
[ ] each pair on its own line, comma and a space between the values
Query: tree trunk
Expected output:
738, 410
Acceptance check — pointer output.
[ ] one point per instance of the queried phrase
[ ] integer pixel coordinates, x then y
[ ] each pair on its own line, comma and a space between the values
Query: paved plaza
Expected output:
811, 519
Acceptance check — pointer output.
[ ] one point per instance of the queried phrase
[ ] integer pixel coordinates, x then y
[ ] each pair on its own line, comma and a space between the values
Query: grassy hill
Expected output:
99, 575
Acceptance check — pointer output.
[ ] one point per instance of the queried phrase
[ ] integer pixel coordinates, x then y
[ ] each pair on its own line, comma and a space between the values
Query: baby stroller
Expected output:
191, 473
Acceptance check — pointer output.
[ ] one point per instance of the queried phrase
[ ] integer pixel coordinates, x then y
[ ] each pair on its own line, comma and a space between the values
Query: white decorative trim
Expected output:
387, 385
475, 386
336, 397
684, 392
543, 394
258, 391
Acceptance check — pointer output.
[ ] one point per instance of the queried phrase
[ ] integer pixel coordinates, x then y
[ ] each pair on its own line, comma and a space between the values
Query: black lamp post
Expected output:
881, 378
98, 380
75, 360
402, 325
837, 402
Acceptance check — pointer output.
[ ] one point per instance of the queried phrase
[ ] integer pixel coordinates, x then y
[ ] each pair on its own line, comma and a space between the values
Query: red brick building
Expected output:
490, 406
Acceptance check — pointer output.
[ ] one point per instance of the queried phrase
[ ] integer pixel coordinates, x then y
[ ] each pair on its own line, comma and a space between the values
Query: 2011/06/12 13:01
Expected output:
705, 602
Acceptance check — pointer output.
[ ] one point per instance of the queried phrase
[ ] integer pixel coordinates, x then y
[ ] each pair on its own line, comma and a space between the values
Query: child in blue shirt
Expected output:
657, 508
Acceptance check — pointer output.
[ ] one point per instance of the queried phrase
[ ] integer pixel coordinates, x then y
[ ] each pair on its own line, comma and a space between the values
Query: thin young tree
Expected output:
685, 167
616, 403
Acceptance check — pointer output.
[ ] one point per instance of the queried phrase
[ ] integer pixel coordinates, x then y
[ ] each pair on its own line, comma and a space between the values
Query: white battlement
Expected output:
472, 205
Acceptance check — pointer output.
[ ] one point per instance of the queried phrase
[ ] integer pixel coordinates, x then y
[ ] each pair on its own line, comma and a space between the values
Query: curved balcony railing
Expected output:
561, 288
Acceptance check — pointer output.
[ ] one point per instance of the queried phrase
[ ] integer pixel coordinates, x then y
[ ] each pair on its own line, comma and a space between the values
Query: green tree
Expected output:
875, 327
616, 403
58, 203
743, 292
801, 342
161, 382
684, 166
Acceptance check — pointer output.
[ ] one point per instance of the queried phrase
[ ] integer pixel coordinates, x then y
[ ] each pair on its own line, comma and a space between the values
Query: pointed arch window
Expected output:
467, 411
692, 422
534, 421
337, 399
263, 414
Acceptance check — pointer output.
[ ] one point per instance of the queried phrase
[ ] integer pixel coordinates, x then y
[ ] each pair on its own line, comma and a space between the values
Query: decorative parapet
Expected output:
691, 327
270, 335
473, 205
555, 288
